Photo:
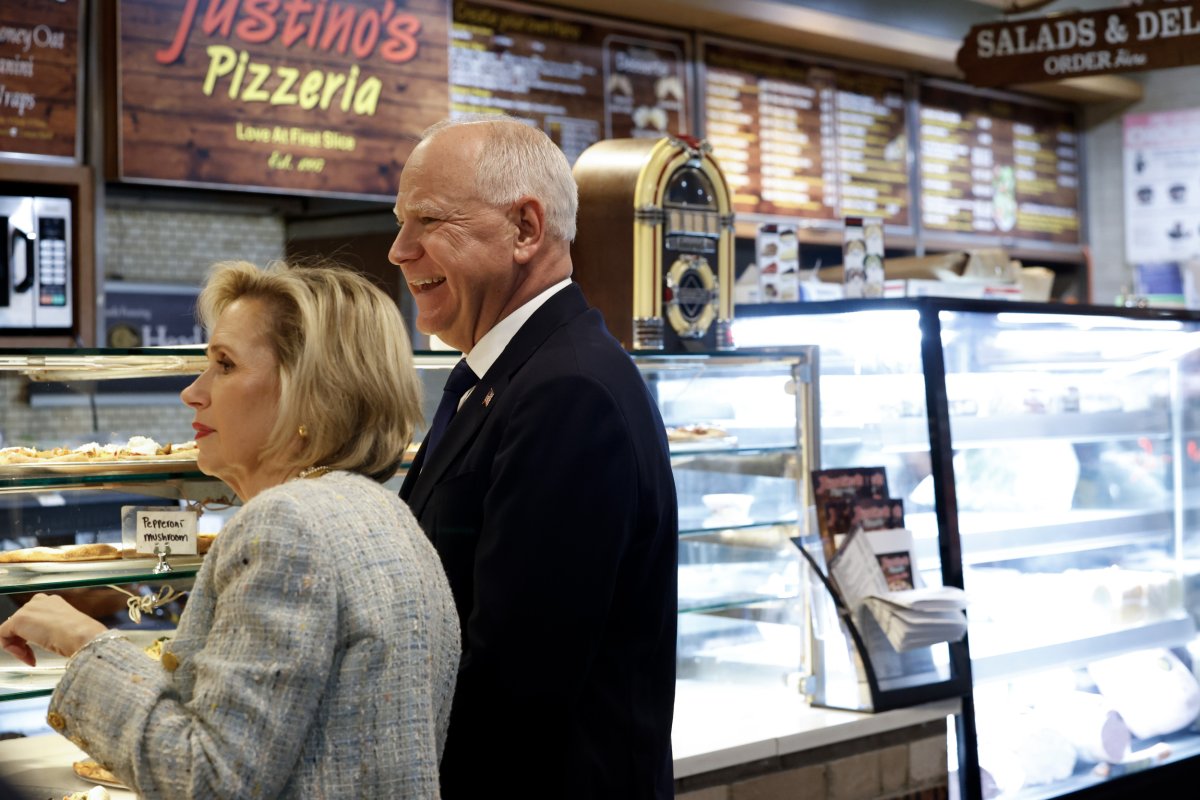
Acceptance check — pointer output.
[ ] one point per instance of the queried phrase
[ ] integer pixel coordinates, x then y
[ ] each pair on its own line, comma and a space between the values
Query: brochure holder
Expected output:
853, 664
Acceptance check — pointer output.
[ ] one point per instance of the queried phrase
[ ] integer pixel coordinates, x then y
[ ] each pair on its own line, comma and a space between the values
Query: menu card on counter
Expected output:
798, 138
580, 79
997, 170
39, 79
294, 98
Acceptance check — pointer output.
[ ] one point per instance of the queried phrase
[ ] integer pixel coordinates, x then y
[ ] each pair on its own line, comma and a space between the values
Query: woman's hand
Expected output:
50, 622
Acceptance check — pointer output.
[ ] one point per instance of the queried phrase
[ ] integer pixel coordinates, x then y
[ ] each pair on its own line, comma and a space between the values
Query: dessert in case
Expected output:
91, 770
95, 793
692, 433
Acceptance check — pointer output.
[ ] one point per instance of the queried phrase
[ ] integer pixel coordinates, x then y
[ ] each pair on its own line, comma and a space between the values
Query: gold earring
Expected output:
303, 431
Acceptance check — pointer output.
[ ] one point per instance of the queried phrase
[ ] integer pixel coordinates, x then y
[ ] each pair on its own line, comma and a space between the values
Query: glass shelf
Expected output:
1079, 651
774, 499
19, 582
109, 364
23, 482
25, 694
681, 450
19, 682
719, 527
716, 603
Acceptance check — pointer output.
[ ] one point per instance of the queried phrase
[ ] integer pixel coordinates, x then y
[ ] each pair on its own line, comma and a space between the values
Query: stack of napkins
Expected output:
920, 617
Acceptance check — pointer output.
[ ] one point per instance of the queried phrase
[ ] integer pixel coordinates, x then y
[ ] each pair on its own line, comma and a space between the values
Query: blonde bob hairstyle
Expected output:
346, 369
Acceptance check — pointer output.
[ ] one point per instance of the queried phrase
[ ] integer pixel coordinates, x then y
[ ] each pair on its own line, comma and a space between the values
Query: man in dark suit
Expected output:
550, 496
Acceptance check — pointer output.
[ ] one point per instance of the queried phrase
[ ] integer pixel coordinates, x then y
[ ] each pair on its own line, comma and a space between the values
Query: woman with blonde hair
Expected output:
317, 653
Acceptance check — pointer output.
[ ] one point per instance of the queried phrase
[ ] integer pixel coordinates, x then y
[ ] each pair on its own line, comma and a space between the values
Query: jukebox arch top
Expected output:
654, 248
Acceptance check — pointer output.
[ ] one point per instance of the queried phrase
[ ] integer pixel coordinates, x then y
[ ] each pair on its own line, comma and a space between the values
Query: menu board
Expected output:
309, 98
997, 169
797, 138
39, 79
578, 78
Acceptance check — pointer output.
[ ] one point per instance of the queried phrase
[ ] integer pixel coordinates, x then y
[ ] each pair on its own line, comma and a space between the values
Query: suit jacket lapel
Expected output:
554, 313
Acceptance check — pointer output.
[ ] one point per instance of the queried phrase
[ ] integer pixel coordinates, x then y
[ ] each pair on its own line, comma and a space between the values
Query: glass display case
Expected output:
739, 444
1048, 457
743, 439
58, 487
739, 428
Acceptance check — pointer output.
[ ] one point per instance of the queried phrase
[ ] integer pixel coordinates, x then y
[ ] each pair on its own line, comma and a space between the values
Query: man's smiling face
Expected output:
455, 251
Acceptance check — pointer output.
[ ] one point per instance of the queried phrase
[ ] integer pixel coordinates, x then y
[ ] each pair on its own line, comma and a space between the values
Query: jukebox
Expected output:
654, 248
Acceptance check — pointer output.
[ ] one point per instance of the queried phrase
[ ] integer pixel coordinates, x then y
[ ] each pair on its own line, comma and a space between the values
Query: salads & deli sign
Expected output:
1152, 35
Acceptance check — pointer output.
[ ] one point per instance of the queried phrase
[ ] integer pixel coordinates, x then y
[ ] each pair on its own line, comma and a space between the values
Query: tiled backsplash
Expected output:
153, 246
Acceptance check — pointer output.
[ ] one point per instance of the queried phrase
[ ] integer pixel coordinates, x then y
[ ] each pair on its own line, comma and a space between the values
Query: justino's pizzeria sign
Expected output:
1152, 35
293, 96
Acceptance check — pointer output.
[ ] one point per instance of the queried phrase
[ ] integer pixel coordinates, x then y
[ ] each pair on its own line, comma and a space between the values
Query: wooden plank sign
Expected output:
1155, 35
297, 98
39, 80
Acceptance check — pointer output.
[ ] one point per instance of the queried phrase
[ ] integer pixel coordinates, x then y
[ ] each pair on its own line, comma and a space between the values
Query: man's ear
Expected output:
529, 217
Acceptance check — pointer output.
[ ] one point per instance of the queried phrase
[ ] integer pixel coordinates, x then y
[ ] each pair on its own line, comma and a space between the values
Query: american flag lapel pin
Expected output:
487, 400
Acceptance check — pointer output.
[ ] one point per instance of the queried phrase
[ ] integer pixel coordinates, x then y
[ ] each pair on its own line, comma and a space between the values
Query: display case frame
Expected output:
965, 343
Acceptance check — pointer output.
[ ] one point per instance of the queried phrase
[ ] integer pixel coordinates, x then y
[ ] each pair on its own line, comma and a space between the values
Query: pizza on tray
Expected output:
96, 551
695, 433
91, 770
138, 448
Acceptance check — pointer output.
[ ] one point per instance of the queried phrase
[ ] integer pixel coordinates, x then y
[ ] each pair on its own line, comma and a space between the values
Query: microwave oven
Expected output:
36, 292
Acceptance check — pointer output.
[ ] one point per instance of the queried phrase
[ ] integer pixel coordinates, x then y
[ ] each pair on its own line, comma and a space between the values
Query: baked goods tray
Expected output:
701, 445
58, 469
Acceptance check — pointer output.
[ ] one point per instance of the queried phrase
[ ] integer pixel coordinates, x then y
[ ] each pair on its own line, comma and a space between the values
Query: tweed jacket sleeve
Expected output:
270, 607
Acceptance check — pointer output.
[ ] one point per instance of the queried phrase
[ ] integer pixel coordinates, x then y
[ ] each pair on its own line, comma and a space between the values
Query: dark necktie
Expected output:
461, 378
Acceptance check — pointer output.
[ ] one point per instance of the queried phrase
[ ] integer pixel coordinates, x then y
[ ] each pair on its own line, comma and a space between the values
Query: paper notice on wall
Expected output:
1162, 186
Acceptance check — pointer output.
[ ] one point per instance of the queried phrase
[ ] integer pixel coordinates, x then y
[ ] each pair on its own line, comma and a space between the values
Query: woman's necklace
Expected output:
312, 472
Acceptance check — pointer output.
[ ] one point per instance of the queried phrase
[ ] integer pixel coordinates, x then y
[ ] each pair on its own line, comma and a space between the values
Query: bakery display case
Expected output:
743, 441
740, 429
740, 445
72, 457
1048, 458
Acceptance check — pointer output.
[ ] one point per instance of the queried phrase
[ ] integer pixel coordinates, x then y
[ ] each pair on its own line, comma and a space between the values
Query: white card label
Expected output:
174, 528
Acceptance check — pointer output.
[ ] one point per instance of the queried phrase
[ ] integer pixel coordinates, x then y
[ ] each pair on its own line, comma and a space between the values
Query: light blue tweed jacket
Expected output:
316, 658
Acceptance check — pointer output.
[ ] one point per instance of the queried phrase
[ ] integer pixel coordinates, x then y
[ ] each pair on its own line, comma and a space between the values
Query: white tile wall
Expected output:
157, 246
